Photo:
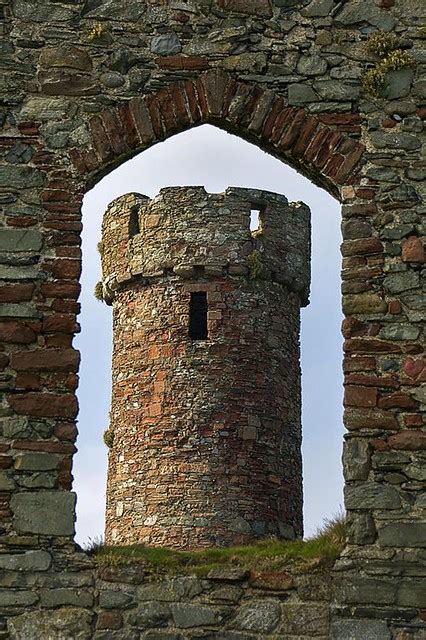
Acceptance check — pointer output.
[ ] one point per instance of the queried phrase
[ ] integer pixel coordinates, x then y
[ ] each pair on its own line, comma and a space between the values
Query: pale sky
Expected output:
210, 157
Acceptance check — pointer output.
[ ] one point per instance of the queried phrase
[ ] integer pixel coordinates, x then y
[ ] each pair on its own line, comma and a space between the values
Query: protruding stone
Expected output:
66, 56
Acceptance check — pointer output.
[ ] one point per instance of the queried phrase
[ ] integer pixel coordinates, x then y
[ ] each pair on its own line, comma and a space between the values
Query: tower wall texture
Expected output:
206, 434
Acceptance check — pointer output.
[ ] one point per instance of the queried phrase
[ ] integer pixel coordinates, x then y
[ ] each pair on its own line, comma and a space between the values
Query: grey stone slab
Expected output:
349, 629
19, 311
371, 495
45, 512
37, 560
15, 176
261, 616
14, 240
402, 534
188, 615
64, 623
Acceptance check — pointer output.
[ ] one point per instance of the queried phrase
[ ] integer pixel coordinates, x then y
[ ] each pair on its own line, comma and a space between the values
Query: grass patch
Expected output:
316, 553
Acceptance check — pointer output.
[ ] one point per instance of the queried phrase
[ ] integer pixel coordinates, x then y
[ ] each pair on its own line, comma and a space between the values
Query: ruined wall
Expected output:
86, 85
205, 434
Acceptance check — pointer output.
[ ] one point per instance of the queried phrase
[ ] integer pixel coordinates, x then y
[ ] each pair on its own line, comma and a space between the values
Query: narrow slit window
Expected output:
133, 223
198, 316
254, 220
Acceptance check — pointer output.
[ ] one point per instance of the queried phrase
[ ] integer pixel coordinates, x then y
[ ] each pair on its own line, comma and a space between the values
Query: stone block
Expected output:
15, 598
49, 513
349, 629
36, 461
20, 177
150, 614
371, 495
260, 616
62, 624
402, 534
166, 44
305, 619
411, 593
109, 599
356, 459
366, 590
186, 615
57, 597
27, 561
16, 240
360, 528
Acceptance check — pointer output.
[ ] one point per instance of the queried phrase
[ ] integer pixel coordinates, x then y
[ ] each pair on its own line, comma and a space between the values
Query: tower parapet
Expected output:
205, 413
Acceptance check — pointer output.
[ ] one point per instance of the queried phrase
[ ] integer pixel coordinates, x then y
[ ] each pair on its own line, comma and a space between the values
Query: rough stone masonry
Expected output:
205, 424
87, 84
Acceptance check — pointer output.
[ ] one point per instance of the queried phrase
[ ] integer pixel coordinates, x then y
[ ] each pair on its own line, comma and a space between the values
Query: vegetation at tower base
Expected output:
205, 405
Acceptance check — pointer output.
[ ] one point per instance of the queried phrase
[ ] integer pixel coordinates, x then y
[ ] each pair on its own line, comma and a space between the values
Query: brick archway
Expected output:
319, 146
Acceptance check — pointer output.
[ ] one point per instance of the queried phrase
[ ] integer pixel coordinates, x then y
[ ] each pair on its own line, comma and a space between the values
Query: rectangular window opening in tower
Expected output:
198, 316
254, 219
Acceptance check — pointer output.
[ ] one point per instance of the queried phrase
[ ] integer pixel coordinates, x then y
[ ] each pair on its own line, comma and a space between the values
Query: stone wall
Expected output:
205, 435
86, 85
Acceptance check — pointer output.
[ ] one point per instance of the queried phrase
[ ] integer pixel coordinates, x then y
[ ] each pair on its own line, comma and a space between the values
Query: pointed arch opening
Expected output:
209, 156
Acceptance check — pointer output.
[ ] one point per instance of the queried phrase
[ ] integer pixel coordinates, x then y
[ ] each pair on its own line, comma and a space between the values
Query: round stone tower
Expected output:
205, 425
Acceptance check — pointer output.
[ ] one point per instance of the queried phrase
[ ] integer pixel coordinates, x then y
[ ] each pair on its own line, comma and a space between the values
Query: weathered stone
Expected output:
398, 83
311, 65
402, 534
399, 332
399, 282
318, 8
20, 177
36, 461
367, 590
46, 512
53, 625
397, 141
167, 44
15, 598
314, 587
245, 62
301, 94
66, 56
250, 7
411, 593
271, 580
53, 598
125, 10
20, 153
363, 303
68, 84
112, 79
150, 614
304, 619
354, 228
15, 240
189, 615
354, 13
262, 616
19, 311
356, 459
336, 90
28, 561
360, 528
371, 495
350, 629
109, 599
6, 482
41, 11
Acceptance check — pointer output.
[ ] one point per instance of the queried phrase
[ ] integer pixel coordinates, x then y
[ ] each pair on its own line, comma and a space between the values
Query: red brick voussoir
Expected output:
317, 145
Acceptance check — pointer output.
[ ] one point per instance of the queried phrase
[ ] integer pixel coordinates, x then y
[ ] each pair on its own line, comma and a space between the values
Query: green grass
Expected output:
318, 552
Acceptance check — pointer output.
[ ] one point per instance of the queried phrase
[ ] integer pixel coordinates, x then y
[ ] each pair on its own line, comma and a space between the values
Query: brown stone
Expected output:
66, 431
414, 368
363, 246
369, 419
411, 440
413, 250
182, 63
364, 303
16, 292
370, 345
44, 445
270, 580
398, 401
60, 323
109, 620
13, 331
45, 405
356, 396
46, 360
65, 56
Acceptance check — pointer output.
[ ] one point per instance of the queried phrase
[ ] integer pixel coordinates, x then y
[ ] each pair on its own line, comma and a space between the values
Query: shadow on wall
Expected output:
210, 157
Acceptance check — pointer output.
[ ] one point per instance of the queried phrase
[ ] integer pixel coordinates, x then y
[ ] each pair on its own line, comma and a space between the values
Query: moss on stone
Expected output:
99, 291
